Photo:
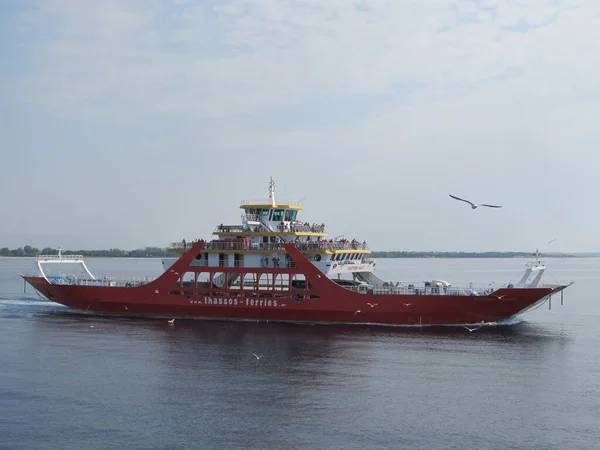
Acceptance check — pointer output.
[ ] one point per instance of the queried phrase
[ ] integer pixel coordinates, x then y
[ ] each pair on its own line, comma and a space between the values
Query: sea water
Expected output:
73, 380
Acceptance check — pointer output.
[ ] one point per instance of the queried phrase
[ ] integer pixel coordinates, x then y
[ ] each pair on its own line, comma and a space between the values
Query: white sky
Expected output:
128, 123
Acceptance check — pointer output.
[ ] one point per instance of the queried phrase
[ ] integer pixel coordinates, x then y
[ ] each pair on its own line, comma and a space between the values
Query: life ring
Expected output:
317, 257
334, 266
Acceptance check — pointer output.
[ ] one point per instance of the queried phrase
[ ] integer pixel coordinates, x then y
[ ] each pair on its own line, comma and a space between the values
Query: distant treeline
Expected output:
400, 254
112, 253
150, 252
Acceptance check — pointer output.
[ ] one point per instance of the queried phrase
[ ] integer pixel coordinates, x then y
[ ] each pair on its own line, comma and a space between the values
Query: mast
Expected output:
272, 192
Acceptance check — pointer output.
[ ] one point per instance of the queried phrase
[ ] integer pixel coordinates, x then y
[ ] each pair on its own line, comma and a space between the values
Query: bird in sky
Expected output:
257, 356
473, 205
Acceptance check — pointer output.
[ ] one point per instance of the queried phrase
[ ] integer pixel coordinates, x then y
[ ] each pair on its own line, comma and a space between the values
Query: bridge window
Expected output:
290, 215
277, 215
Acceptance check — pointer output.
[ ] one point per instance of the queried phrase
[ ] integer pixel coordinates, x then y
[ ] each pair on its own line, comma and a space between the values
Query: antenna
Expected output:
272, 192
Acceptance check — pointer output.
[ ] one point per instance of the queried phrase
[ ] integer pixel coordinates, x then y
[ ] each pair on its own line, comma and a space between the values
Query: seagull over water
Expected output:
257, 356
372, 305
171, 321
473, 205
473, 328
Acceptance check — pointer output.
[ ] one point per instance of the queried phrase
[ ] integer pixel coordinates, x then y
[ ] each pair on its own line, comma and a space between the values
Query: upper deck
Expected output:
245, 246
267, 224
260, 204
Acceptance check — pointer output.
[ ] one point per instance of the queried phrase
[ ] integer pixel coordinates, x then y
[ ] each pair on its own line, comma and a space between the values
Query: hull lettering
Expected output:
236, 302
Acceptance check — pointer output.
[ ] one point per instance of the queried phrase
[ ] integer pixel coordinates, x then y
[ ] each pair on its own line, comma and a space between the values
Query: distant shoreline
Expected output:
139, 254
455, 255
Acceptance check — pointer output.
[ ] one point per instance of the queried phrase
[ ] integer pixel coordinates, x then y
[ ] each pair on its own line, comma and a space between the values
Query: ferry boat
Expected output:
274, 267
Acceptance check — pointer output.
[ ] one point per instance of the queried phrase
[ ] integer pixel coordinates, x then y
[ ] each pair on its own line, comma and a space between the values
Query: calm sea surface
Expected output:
74, 381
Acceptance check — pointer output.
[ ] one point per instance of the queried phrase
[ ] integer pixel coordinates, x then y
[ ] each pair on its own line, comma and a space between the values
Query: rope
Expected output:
38, 294
553, 277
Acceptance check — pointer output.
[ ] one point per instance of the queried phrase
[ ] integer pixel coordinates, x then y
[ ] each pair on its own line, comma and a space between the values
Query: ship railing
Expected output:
336, 245
269, 202
230, 229
303, 228
322, 245
60, 257
347, 245
181, 245
282, 227
104, 281
251, 217
350, 262
243, 245
427, 288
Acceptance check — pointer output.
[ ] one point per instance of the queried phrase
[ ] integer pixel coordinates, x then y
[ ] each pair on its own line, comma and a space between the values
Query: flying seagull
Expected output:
171, 321
474, 328
372, 305
473, 205
257, 356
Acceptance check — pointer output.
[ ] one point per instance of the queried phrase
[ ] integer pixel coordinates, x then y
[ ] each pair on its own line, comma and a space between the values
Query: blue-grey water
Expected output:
71, 380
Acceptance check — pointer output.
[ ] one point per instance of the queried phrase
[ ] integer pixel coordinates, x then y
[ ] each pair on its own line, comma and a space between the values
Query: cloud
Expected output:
224, 58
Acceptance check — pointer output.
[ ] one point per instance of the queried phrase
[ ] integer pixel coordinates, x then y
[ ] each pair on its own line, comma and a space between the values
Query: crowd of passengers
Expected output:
340, 244
310, 244
301, 226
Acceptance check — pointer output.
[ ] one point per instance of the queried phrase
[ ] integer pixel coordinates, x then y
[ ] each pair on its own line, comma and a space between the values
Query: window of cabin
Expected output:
264, 212
277, 215
288, 215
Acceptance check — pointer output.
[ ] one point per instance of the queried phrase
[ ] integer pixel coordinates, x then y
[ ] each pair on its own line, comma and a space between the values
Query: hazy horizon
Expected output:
128, 124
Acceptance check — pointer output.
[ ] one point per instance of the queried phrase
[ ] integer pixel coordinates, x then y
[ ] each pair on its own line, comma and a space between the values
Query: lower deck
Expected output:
209, 283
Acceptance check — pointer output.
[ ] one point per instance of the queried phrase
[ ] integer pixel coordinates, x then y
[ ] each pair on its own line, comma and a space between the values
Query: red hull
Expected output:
334, 305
